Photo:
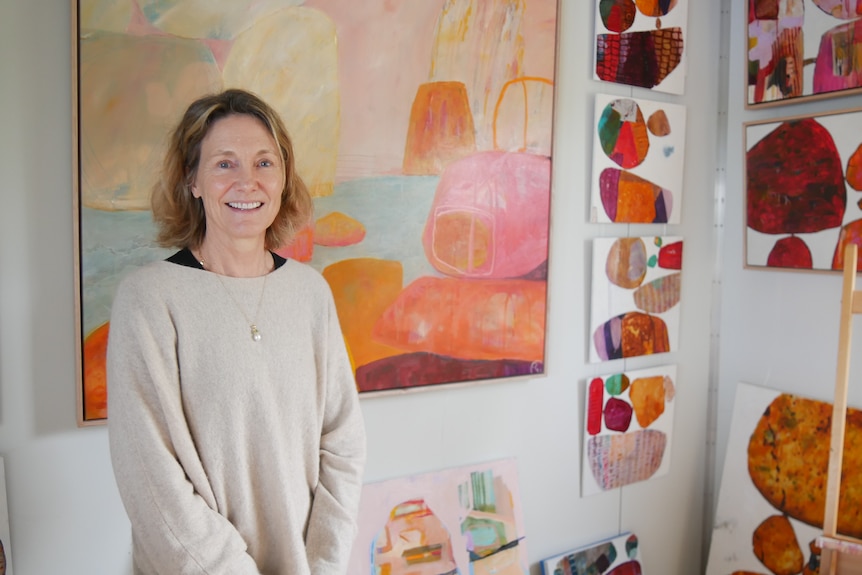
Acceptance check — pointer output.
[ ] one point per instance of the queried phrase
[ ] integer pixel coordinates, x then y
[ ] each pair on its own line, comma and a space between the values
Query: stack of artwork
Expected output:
802, 49
459, 520
615, 556
802, 178
429, 158
773, 486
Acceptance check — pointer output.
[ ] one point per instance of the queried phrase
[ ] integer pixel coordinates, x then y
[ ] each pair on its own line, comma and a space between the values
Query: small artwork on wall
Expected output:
638, 160
614, 556
629, 427
803, 178
801, 50
5, 551
773, 485
642, 43
459, 520
636, 288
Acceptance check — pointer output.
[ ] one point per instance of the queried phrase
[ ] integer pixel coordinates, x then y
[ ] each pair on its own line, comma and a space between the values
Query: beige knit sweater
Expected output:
233, 456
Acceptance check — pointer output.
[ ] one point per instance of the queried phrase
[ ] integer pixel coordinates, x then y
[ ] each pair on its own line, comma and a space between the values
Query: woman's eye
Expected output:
224, 164
266, 163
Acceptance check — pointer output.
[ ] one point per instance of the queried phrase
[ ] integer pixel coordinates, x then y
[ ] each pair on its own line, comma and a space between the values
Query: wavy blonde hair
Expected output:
180, 216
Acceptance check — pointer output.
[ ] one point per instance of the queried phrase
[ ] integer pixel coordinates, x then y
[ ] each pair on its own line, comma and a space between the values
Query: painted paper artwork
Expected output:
636, 289
459, 520
638, 160
629, 428
773, 485
5, 546
803, 176
800, 50
642, 43
428, 157
614, 556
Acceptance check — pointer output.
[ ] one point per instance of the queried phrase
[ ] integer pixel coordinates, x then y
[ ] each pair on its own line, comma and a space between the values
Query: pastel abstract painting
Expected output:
636, 288
802, 49
642, 43
773, 485
428, 156
629, 428
459, 520
619, 555
638, 161
803, 176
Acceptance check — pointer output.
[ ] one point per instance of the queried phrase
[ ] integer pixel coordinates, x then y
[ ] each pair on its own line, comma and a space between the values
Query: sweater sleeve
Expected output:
332, 523
160, 479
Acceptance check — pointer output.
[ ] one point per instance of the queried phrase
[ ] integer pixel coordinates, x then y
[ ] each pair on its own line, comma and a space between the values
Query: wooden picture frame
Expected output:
800, 177
374, 167
800, 56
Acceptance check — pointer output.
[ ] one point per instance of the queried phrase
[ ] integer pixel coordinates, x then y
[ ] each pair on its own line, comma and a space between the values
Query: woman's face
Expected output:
239, 179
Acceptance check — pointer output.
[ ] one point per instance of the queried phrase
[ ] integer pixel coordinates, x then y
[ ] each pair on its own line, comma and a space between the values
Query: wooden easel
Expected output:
841, 554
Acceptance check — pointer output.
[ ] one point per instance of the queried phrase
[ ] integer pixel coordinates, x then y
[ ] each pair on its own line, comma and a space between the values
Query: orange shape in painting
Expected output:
647, 395
854, 170
469, 319
626, 265
301, 248
654, 8
440, 130
849, 234
658, 124
363, 289
95, 381
337, 229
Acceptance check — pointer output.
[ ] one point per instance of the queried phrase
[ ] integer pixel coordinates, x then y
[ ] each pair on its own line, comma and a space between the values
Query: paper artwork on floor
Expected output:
614, 556
635, 296
642, 43
773, 485
629, 427
459, 520
638, 160
5, 553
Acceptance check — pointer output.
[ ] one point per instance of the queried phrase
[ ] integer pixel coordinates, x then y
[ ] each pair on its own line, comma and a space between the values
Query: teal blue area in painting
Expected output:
153, 9
483, 536
483, 491
393, 210
610, 124
668, 151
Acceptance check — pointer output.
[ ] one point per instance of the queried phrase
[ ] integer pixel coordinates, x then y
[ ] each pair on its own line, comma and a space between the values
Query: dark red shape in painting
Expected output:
421, 368
638, 58
617, 15
630, 568
790, 252
763, 10
594, 411
618, 415
670, 256
795, 180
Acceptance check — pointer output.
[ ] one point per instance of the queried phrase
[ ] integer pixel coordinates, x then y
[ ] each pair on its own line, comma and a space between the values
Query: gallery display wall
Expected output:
60, 490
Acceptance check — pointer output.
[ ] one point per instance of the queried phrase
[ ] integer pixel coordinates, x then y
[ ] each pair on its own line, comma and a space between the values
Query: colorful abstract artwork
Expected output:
614, 556
638, 160
5, 551
636, 289
803, 176
802, 49
629, 428
429, 158
773, 485
459, 520
642, 43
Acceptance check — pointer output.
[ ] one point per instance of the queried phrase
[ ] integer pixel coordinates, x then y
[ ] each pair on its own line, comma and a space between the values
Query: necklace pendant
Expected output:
255, 333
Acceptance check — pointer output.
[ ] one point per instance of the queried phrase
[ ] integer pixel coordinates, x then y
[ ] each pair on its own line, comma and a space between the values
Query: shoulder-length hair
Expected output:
180, 216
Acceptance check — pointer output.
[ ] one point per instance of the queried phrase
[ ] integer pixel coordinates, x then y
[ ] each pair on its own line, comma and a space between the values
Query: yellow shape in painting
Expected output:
523, 116
290, 59
216, 19
337, 229
104, 15
363, 288
647, 395
132, 92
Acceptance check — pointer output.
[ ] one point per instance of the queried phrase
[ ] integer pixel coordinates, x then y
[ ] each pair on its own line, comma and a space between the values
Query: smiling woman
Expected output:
232, 454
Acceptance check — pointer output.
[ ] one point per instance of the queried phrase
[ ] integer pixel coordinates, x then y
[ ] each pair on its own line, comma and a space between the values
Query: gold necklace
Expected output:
252, 323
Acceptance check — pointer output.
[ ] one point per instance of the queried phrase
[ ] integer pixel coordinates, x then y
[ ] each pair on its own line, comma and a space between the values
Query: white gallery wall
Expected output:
65, 514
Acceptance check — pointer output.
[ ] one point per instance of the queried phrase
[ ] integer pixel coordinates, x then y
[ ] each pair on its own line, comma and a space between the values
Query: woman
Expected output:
235, 431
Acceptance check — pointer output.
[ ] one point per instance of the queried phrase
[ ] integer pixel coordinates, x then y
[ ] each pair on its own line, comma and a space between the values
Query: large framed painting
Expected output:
800, 50
642, 43
458, 520
428, 156
803, 175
